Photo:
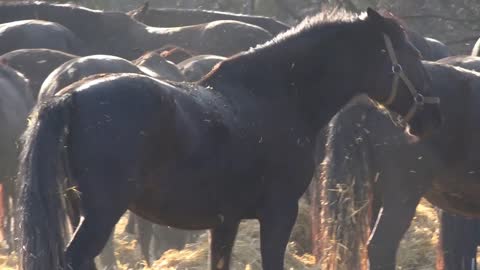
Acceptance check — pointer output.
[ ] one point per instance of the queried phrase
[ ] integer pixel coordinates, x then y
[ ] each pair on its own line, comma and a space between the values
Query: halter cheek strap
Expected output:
418, 99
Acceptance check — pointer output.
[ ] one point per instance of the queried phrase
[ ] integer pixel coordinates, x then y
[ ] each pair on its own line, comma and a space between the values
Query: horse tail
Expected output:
42, 217
346, 191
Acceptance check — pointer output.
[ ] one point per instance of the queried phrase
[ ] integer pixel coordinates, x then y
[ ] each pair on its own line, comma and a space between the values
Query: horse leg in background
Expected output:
101, 212
393, 221
145, 234
222, 239
8, 208
2, 214
165, 238
132, 221
276, 223
107, 256
456, 248
91, 236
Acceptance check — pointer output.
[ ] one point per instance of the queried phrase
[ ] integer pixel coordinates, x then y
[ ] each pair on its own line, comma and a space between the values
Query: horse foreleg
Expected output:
132, 221
145, 234
222, 239
392, 223
2, 214
8, 208
457, 248
276, 224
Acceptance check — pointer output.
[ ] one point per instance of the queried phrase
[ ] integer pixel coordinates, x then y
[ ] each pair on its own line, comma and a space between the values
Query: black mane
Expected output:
319, 28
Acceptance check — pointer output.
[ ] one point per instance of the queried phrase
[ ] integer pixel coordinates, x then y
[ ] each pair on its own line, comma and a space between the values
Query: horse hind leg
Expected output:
222, 239
8, 208
393, 221
90, 238
132, 222
101, 208
145, 234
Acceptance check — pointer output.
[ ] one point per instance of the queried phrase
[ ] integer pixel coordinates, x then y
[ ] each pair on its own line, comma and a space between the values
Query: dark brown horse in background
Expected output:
174, 17
459, 235
16, 101
116, 33
236, 145
35, 64
374, 176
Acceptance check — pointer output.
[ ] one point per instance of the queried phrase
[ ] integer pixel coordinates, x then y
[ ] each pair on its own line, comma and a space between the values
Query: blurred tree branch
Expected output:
437, 16
285, 7
462, 40
349, 5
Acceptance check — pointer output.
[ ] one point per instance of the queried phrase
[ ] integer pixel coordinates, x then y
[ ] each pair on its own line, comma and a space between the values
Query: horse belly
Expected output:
457, 193
187, 201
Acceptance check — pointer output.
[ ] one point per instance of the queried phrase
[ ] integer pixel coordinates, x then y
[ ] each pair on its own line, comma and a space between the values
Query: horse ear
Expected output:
140, 12
375, 17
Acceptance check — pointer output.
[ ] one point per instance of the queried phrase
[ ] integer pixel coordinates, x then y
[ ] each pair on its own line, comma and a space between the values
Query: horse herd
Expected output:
197, 120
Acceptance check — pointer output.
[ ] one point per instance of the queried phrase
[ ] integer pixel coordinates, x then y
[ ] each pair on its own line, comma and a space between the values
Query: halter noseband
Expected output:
418, 99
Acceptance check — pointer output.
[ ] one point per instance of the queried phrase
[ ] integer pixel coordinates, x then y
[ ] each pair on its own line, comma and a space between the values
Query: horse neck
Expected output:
319, 87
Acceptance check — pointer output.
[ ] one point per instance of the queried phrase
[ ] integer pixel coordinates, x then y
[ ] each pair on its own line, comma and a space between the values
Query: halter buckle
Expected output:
419, 99
397, 68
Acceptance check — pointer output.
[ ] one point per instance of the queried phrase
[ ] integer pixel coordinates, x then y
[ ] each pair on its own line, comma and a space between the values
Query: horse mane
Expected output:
328, 17
148, 56
174, 51
329, 20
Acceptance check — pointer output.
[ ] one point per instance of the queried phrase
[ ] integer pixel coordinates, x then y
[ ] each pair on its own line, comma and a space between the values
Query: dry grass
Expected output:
417, 249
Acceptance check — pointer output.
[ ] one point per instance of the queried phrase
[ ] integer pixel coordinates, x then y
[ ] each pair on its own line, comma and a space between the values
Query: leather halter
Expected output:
418, 99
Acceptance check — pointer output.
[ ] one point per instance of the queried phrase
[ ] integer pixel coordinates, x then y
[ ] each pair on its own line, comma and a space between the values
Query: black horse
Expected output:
82, 67
174, 17
374, 175
236, 145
